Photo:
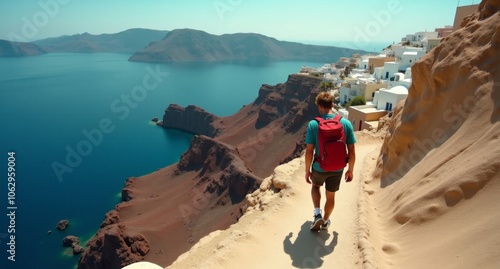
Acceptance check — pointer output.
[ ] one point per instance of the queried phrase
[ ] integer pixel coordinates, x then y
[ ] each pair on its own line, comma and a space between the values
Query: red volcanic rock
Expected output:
287, 100
127, 194
191, 119
174, 207
111, 217
208, 156
113, 248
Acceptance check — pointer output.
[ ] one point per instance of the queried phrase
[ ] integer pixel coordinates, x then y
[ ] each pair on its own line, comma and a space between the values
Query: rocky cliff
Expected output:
187, 45
439, 166
190, 119
171, 209
18, 49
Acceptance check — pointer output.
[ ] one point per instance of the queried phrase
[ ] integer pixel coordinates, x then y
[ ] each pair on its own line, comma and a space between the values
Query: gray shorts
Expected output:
331, 179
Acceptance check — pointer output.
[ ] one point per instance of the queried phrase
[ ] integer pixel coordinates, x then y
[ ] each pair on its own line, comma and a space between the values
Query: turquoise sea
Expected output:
78, 125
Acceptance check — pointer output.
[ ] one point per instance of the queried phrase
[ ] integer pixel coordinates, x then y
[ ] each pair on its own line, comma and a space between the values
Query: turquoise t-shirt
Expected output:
312, 135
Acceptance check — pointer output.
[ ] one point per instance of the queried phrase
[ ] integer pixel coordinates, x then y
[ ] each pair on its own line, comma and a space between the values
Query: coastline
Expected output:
210, 181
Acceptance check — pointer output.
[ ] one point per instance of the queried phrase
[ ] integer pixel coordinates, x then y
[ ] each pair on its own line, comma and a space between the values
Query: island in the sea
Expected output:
188, 45
19, 49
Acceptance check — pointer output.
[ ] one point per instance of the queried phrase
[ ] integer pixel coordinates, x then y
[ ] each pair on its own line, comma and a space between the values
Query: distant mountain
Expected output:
186, 45
18, 49
128, 41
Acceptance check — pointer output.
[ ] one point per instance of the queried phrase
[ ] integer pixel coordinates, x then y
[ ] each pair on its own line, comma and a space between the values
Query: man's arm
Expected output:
352, 159
309, 157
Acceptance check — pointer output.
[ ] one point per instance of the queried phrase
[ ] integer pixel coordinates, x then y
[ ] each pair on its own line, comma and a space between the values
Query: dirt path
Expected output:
276, 233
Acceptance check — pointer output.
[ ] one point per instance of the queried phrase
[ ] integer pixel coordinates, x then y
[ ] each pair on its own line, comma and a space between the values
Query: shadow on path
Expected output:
309, 247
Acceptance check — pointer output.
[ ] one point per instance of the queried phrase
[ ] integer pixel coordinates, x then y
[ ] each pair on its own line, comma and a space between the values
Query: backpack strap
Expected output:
336, 117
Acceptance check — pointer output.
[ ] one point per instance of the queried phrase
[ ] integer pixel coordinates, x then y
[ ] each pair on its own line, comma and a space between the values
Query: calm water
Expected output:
79, 125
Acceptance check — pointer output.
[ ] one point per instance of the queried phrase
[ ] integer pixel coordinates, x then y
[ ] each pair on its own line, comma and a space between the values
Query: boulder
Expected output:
70, 240
77, 249
62, 225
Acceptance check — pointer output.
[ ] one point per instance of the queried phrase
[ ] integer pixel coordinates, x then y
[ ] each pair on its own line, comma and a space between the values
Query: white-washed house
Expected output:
387, 99
390, 68
409, 58
401, 79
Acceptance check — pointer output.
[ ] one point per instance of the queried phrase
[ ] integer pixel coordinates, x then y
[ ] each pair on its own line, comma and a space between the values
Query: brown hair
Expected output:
324, 99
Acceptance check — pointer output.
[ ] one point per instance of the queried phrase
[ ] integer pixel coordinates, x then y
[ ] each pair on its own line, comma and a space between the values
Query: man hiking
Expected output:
329, 148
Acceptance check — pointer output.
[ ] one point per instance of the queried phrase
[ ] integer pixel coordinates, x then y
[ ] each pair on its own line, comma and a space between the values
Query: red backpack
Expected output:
332, 155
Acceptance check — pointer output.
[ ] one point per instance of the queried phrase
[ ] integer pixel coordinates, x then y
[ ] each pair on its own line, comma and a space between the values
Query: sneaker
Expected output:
318, 221
325, 225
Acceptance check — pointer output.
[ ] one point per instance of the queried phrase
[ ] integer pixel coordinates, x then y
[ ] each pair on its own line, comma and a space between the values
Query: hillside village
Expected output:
379, 81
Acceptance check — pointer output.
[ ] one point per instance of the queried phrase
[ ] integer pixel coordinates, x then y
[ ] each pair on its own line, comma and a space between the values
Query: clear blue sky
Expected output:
314, 21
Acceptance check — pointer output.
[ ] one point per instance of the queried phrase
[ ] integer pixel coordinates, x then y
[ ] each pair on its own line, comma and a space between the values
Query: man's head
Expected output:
324, 100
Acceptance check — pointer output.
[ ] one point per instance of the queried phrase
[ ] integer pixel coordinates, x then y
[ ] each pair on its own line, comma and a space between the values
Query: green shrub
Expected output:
356, 101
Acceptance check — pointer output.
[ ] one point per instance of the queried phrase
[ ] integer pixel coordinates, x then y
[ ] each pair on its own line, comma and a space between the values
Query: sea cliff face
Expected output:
284, 108
169, 210
191, 119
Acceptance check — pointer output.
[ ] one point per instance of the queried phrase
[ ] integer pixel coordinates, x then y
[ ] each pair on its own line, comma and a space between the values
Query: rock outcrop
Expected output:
116, 248
191, 119
73, 242
69, 240
229, 156
452, 81
440, 160
77, 249
62, 225
209, 158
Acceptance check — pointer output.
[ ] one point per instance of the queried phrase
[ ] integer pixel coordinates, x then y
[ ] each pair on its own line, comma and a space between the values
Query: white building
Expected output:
327, 77
388, 99
408, 73
342, 62
419, 38
327, 69
364, 64
390, 68
347, 93
399, 49
358, 71
400, 79
378, 72
409, 58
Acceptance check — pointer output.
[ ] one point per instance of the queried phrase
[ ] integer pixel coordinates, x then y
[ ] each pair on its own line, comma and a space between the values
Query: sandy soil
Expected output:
275, 231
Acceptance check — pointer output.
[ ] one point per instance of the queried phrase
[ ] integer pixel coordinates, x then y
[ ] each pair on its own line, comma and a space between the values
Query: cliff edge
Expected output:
164, 213
427, 196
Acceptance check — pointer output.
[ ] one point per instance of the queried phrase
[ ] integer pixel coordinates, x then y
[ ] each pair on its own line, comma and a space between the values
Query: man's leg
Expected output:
318, 219
316, 196
329, 205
